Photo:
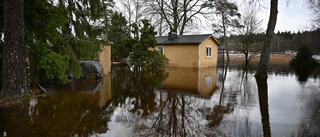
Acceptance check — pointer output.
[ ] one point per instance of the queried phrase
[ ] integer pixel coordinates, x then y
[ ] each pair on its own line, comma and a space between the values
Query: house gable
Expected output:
208, 53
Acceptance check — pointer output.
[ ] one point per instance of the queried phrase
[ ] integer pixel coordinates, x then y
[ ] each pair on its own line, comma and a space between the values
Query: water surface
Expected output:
187, 102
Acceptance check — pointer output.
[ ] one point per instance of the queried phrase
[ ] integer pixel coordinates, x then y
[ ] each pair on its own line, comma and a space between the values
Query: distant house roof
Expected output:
184, 39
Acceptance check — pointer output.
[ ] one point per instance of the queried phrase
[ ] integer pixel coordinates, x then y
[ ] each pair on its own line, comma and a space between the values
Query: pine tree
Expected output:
60, 33
303, 59
303, 64
118, 33
144, 59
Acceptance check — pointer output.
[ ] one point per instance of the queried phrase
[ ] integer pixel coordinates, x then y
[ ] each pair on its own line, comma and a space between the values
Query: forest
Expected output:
282, 41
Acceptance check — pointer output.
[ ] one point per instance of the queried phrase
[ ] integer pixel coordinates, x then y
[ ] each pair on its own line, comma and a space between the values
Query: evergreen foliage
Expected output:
303, 59
60, 33
303, 64
142, 58
118, 33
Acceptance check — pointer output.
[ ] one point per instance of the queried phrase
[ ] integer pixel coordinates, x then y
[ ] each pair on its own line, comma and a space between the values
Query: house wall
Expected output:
182, 56
105, 58
205, 62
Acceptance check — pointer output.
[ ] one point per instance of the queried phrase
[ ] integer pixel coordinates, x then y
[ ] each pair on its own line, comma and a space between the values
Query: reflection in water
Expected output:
161, 111
140, 105
263, 101
217, 114
174, 114
68, 113
201, 81
310, 122
173, 107
304, 73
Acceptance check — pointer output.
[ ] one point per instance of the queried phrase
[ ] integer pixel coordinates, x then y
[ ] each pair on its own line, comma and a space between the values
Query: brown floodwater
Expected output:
183, 102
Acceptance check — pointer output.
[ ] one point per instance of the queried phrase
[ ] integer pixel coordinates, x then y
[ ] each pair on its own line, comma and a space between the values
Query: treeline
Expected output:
283, 41
293, 41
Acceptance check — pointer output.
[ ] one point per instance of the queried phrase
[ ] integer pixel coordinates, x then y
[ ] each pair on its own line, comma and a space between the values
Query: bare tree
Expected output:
135, 10
228, 15
315, 7
248, 35
179, 15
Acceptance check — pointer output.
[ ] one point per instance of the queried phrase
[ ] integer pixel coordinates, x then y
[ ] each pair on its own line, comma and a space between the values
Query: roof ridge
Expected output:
188, 35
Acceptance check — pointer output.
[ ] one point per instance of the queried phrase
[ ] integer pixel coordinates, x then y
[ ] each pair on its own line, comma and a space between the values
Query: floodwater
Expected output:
186, 102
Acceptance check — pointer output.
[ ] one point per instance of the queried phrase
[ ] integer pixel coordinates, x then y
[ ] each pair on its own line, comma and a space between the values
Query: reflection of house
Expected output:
192, 80
99, 93
189, 51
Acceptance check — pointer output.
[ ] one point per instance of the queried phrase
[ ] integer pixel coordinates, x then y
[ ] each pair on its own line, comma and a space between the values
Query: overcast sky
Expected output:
293, 17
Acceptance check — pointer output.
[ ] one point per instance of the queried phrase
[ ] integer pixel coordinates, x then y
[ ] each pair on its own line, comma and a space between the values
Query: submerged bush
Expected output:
303, 63
303, 59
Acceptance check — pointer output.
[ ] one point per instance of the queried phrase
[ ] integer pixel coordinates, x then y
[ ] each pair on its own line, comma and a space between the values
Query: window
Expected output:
208, 52
160, 49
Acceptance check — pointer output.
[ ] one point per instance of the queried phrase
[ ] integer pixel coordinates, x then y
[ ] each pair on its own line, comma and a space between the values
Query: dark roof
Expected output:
184, 39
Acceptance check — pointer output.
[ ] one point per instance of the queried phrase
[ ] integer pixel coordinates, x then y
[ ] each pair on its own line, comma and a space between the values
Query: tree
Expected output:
14, 77
118, 33
178, 15
265, 52
251, 26
135, 10
315, 7
60, 33
1, 41
303, 63
142, 58
228, 14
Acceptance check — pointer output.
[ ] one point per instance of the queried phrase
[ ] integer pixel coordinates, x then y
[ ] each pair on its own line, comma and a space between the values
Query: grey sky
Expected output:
293, 17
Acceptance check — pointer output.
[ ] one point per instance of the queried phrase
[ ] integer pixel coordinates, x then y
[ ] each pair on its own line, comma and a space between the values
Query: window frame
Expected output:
158, 49
208, 51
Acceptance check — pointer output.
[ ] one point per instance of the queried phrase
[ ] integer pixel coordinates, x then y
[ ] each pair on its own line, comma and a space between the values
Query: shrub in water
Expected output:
303, 63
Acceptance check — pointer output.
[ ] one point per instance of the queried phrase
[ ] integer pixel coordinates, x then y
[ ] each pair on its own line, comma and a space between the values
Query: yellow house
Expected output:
189, 51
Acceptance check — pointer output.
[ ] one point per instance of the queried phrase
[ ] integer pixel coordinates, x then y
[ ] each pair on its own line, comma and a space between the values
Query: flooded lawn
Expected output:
187, 102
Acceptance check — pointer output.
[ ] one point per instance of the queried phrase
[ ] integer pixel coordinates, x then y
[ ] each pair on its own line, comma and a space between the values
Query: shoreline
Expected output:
274, 59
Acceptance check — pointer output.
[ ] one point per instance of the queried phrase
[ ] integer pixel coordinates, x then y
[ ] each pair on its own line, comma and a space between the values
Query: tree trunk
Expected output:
14, 80
246, 59
265, 52
225, 36
175, 15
